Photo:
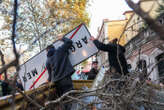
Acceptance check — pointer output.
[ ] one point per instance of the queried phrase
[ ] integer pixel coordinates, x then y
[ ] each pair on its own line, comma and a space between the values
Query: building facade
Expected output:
145, 52
143, 46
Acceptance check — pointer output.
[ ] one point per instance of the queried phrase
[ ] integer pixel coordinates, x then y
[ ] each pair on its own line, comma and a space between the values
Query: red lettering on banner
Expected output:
38, 78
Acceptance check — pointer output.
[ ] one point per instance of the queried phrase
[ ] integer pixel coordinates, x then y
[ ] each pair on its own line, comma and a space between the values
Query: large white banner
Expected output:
34, 73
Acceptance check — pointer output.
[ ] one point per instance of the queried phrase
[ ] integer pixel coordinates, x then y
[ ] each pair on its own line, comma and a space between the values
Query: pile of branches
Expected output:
114, 93
130, 93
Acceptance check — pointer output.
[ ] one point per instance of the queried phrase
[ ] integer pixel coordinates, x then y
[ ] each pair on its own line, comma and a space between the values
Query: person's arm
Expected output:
101, 46
49, 71
67, 44
122, 49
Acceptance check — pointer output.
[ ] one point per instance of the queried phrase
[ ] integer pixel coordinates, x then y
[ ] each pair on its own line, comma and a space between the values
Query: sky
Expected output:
105, 9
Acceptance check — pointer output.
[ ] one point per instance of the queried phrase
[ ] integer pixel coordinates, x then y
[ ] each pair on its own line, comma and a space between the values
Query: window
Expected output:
161, 21
160, 60
132, 28
134, 21
146, 33
138, 18
141, 65
129, 66
142, 68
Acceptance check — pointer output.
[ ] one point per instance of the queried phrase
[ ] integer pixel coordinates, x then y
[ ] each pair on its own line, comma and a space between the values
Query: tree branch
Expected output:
3, 64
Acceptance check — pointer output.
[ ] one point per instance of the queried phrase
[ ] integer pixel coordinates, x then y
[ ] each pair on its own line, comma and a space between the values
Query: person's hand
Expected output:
60, 37
47, 81
92, 38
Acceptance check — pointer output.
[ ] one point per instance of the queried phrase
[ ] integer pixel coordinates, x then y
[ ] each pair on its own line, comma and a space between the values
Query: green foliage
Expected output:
44, 19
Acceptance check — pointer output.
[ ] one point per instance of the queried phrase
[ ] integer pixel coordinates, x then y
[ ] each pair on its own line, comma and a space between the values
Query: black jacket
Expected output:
6, 88
58, 63
92, 74
112, 55
19, 85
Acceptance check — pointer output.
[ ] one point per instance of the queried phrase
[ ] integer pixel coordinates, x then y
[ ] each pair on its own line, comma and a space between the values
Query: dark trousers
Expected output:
64, 86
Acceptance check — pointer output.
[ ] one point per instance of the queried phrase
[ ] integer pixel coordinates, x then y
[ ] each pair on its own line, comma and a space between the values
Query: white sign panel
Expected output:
34, 73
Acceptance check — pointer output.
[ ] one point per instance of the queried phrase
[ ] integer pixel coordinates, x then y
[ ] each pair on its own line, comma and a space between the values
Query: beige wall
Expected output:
115, 29
133, 27
135, 24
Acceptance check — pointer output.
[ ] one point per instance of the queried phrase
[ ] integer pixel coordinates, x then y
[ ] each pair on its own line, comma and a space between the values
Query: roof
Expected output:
127, 12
